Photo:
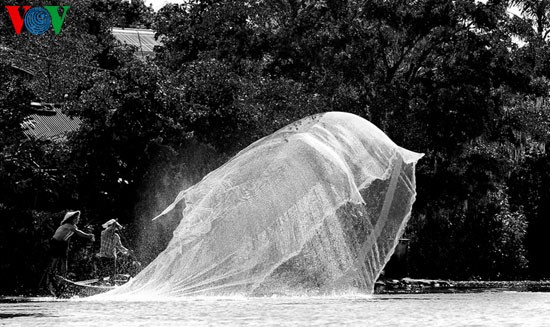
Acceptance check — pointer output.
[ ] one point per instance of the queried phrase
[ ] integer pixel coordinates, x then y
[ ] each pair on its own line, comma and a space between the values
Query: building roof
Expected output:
143, 39
48, 122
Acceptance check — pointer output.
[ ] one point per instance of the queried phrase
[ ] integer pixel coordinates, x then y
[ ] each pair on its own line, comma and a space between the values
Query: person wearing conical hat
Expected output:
110, 247
59, 244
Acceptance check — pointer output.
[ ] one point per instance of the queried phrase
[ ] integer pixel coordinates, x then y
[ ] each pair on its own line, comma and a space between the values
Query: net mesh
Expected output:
316, 207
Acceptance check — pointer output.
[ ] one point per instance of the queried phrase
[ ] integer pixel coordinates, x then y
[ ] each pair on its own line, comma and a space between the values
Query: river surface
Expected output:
459, 309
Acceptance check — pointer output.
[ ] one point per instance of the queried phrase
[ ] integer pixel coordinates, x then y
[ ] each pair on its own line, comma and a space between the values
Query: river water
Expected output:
458, 309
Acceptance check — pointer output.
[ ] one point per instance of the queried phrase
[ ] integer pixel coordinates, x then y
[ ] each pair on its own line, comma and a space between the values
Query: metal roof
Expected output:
49, 124
143, 39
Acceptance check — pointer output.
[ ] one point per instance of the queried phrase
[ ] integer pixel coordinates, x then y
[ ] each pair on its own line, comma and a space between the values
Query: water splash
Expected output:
315, 208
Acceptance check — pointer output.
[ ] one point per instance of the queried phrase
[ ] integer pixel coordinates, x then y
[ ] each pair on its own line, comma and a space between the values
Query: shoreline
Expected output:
412, 286
397, 286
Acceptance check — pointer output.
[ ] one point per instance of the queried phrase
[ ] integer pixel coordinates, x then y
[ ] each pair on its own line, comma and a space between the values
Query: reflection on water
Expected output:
477, 309
14, 315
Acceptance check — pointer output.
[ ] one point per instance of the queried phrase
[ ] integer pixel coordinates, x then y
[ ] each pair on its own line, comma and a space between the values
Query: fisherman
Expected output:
110, 246
59, 245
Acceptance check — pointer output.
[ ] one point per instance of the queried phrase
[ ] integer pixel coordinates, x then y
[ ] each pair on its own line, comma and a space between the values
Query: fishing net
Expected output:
316, 207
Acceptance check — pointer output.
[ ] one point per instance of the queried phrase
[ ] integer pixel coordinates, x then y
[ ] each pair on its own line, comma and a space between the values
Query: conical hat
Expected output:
69, 215
108, 223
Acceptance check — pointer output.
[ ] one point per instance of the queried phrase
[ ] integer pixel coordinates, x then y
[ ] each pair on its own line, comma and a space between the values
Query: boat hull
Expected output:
67, 288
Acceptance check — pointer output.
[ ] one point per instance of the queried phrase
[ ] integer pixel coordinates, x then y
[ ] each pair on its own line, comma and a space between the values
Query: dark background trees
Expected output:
464, 82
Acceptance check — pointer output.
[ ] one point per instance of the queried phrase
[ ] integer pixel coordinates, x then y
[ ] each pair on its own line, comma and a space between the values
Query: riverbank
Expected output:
399, 286
410, 285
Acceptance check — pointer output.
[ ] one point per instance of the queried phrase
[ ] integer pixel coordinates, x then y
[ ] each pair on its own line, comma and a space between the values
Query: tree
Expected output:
39, 181
430, 73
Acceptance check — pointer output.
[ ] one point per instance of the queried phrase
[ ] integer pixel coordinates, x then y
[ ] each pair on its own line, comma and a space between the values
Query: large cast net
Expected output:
316, 207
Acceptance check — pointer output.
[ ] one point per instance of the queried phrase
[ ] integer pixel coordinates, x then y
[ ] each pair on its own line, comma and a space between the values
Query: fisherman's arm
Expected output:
84, 235
119, 245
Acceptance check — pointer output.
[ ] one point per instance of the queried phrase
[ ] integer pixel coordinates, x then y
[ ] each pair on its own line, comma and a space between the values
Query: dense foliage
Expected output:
465, 82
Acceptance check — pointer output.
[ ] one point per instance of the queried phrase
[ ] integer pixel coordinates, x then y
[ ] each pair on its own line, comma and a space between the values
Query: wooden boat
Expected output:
67, 288
63, 287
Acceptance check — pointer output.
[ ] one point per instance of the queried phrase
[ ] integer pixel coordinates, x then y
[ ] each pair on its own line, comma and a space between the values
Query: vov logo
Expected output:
37, 20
